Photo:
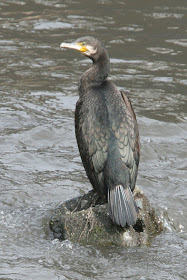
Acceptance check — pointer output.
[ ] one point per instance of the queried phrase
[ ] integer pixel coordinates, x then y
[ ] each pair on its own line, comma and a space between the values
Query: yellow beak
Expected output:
75, 46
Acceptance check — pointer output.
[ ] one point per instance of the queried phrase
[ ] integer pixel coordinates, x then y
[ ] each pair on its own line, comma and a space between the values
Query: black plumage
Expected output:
107, 134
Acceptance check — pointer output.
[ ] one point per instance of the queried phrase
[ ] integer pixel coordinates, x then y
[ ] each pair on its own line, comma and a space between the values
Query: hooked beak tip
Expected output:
63, 45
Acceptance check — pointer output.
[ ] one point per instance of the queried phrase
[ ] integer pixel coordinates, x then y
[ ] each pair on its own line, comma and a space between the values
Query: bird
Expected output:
107, 134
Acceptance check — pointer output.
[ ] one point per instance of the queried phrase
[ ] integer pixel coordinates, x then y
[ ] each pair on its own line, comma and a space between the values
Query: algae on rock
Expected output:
85, 219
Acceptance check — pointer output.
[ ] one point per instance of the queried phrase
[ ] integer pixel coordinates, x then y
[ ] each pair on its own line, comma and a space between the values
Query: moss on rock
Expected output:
85, 219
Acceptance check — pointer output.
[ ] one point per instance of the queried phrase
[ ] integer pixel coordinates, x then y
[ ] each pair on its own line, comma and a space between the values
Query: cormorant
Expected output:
107, 134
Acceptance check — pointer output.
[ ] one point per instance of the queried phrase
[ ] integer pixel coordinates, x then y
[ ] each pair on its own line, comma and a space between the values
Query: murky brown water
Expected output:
39, 160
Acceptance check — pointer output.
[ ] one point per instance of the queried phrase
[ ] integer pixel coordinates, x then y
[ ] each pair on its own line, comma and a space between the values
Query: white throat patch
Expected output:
90, 50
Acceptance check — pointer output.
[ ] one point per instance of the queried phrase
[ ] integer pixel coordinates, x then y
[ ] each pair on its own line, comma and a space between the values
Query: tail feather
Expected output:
126, 213
122, 207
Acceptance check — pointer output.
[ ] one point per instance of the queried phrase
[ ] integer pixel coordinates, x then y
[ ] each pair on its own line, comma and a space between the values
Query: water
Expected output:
39, 160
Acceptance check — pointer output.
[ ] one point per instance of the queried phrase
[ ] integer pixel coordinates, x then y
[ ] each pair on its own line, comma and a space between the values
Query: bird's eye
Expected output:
83, 44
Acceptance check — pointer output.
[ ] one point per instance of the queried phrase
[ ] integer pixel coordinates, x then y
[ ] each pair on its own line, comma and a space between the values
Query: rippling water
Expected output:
39, 160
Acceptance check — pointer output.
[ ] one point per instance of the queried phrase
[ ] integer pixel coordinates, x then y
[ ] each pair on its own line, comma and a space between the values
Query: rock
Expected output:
85, 219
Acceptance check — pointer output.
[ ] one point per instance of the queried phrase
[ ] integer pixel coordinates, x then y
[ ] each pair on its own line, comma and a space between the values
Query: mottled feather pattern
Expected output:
126, 133
95, 150
97, 132
97, 126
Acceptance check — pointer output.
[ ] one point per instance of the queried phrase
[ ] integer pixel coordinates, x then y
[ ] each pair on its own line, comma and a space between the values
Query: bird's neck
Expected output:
97, 74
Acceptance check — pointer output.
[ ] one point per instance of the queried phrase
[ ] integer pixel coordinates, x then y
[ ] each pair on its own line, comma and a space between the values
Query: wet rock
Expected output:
85, 219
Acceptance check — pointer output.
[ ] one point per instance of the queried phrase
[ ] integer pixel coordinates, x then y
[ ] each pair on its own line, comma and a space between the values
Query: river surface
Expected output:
40, 165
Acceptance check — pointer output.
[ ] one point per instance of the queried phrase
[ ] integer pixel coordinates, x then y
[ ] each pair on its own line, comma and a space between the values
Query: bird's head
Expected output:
88, 45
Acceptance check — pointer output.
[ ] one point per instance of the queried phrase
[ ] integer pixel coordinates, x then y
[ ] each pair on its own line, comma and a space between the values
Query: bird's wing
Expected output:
126, 131
92, 141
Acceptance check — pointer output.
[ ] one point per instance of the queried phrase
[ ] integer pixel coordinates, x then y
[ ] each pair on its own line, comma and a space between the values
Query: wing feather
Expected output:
92, 139
126, 131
